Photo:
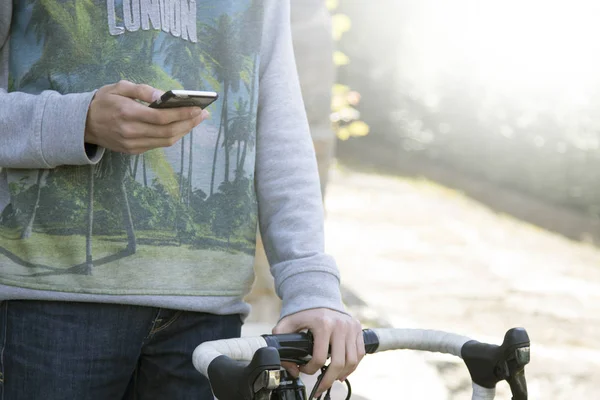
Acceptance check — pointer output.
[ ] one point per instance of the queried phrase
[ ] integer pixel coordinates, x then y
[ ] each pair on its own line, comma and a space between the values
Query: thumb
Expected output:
281, 327
156, 94
136, 91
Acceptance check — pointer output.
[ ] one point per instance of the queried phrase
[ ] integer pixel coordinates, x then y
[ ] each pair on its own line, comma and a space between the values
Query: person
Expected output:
312, 38
127, 233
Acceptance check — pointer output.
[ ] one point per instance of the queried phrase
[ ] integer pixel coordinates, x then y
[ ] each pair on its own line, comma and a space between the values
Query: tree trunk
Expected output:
89, 263
144, 170
135, 166
226, 139
242, 161
29, 228
190, 167
237, 157
223, 121
240, 168
181, 168
128, 220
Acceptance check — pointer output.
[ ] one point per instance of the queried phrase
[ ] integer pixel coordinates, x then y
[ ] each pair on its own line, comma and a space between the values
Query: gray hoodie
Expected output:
173, 227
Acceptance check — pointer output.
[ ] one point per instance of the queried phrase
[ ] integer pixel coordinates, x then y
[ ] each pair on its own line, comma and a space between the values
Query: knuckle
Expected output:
351, 364
328, 382
337, 365
361, 353
338, 325
171, 141
169, 134
137, 150
319, 360
161, 118
121, 84
192, 124
122, 112
128, 148
127, 132
183, 114
310, 368
172, 132
326, 322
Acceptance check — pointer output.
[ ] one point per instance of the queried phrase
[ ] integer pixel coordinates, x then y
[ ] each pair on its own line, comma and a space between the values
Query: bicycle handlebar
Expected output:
234, 380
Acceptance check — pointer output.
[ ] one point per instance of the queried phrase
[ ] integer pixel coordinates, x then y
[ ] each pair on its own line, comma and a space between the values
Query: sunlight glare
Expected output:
526, 47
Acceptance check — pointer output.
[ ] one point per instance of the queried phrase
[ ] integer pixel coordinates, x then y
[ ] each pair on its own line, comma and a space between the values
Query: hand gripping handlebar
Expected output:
249, 368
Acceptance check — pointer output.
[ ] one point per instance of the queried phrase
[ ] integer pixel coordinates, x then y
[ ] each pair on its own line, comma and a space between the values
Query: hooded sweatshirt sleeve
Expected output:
42, 130
290, 206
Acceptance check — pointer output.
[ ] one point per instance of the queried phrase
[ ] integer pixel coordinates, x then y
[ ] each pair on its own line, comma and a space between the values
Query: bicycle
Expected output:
249, 368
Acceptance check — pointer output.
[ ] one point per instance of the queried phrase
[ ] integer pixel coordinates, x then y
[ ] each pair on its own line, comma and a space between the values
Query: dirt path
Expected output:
421, 254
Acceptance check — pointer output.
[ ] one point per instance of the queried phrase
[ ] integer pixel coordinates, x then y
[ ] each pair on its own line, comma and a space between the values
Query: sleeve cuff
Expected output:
63, 128
309, 290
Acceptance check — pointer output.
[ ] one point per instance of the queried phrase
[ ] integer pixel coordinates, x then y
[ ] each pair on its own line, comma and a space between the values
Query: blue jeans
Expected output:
58, 350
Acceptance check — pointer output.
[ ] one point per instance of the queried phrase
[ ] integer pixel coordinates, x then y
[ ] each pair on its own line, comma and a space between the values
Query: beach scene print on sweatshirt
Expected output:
180, 220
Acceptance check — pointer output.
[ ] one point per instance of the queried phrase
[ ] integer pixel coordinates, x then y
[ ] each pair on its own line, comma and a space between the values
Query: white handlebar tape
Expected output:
481, 393
429, 340
420, 339
241, 349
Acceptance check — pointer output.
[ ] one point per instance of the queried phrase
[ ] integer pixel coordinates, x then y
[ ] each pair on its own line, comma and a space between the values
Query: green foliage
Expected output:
64, 205
11, 83
229, 215
345, 116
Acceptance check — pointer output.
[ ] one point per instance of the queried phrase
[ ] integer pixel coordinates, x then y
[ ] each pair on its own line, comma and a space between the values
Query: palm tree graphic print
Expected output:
139, 224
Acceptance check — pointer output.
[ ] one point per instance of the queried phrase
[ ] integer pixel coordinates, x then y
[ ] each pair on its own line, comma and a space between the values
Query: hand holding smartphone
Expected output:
185, 98
118, 120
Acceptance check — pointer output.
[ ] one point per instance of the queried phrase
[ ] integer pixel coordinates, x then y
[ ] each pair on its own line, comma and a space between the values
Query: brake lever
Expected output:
488, 364
517, 352
232, 379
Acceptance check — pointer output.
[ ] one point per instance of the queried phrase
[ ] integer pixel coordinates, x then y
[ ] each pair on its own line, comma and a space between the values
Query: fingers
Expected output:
337, 364
361, 350
156, 94
354, 354
136, 128
322, 337
347, 350
135, 91
119, 123
291, 368
336, 335
134, 111
289, 324
162, 116
139, 138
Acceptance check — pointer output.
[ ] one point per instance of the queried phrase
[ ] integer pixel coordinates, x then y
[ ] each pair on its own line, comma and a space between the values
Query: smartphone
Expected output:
185, 98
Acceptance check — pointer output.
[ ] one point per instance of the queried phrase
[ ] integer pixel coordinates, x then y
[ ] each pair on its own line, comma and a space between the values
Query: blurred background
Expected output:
504, 92
463, 188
